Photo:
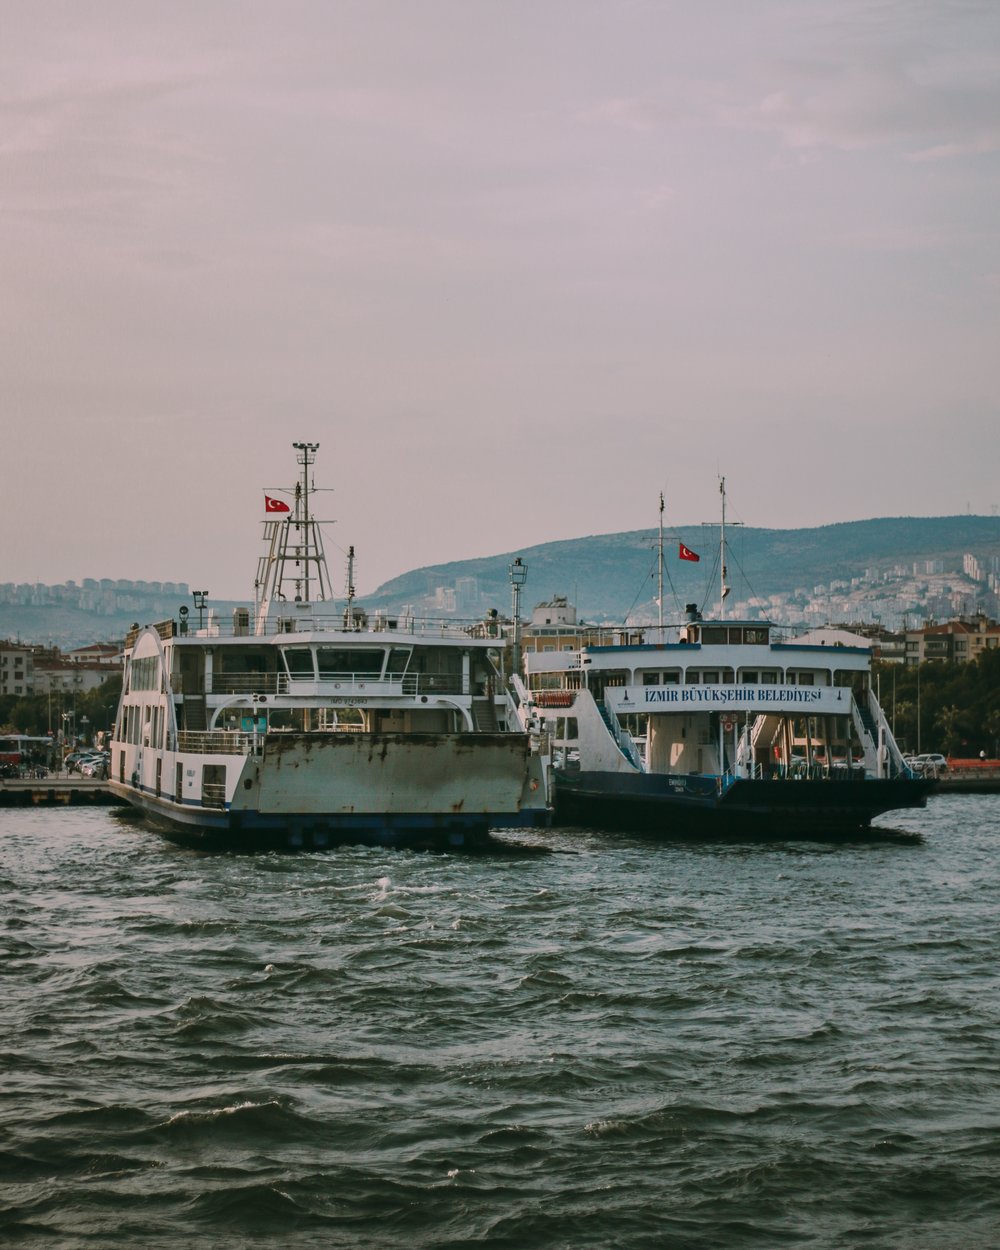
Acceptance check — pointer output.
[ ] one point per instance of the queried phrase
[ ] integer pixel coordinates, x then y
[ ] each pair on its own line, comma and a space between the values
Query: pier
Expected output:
970, 777
56, 791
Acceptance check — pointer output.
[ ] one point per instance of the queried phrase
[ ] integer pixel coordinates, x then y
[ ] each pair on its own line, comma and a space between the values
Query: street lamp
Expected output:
199, 597
518, 574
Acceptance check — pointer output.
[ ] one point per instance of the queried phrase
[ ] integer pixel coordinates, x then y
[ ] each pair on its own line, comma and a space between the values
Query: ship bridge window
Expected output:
398, 660
768, 677
299, 662
716, 635
345, 661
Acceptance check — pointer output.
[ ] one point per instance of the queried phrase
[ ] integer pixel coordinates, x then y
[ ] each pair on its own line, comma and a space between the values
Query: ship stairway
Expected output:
195, 715
764, 732
872, 718
868, 721
484, 716
623, 740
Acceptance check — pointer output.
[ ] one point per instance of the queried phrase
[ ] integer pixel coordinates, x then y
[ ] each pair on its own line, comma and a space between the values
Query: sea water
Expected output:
586, 1039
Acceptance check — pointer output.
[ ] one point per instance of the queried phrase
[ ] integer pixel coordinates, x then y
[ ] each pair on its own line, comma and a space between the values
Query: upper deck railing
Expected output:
302, 619
368, 684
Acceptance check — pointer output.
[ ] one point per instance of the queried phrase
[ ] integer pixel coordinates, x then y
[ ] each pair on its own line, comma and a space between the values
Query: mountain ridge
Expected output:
610, 577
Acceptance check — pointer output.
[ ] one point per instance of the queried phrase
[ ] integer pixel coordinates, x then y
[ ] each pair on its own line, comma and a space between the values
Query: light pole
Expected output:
518, 574
199, 597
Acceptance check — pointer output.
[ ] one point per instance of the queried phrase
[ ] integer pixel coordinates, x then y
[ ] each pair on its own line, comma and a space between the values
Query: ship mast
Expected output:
659, 566
724, 573
295, 559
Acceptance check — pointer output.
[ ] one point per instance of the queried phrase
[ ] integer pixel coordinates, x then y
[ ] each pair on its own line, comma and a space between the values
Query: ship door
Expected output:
179, 783
159, 776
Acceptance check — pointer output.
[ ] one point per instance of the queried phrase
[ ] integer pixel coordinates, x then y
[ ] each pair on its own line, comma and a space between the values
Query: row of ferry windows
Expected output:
337, 662
725, 676
145, 673
146, 724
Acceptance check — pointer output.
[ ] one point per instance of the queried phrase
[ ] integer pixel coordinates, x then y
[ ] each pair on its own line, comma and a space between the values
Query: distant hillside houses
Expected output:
927, 590
104, 597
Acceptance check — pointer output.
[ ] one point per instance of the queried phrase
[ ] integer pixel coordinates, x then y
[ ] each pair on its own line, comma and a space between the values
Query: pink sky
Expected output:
516, 267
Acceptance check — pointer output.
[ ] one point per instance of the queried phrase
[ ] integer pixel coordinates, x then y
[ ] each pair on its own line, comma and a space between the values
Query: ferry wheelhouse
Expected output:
303, 728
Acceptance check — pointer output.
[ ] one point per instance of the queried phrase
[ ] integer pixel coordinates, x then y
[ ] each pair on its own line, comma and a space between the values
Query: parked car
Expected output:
95, 766
929, 764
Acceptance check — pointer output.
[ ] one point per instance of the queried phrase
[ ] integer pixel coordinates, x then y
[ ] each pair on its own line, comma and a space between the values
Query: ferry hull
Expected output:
314, 791
674, 805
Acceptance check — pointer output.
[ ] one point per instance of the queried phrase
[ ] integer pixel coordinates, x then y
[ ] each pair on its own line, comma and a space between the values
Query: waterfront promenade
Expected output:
56, 790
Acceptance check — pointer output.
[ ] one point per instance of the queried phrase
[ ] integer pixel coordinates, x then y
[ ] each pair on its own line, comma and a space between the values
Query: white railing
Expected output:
214, 742
338, 684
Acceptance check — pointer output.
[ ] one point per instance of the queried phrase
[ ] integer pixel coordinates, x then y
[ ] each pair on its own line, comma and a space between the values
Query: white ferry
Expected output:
292, 728
719, 727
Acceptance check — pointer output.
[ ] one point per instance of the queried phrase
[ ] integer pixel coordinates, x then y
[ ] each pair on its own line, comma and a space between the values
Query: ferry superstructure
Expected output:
305, 725
720, 727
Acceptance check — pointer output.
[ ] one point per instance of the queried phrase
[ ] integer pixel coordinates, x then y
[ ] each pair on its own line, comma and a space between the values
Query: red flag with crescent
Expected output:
686, 553
275, 505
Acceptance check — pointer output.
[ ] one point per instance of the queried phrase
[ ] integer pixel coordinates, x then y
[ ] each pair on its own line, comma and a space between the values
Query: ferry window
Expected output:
298, 661
768, 678
756, 637
806, 679
717, 634
651, 679
750, 676
672, 677
344, 661
398, 659
692, 677
710, 678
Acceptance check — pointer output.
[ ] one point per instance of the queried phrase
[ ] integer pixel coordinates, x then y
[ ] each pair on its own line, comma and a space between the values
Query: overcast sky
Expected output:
516, 267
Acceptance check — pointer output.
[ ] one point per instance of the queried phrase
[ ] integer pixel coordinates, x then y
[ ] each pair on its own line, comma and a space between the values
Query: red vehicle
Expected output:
21, 751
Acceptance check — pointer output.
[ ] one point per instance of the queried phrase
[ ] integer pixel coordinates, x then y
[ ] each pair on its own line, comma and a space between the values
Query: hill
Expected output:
888, 567
611, 576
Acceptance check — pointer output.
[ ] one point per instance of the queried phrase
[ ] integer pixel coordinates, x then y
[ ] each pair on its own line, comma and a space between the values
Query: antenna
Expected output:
349, 614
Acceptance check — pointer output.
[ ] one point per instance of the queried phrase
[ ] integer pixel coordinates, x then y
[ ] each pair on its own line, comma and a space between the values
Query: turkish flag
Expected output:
275, 505
686, 553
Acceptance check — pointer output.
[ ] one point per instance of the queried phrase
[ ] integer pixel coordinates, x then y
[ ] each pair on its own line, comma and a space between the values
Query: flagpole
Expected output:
722, 552
659, 569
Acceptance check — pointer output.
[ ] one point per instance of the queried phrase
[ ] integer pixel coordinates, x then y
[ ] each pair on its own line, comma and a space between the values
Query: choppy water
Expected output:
618, 1044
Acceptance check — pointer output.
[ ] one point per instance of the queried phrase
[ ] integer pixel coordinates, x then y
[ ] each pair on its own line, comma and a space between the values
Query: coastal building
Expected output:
554, 627
956, 641
16, 669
